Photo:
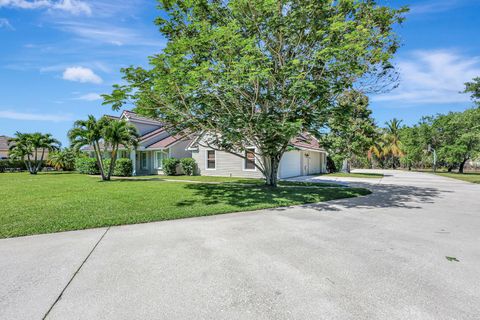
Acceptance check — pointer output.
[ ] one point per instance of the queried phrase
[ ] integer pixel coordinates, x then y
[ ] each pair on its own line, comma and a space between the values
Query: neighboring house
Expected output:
306, 157
155, 144
4, 145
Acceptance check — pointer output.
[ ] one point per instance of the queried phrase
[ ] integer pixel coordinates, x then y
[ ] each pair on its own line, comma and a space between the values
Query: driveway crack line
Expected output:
75, 274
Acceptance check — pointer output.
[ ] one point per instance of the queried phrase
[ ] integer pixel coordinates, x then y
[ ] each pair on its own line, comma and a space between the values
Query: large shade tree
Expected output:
351, 128
259, 72
31, 148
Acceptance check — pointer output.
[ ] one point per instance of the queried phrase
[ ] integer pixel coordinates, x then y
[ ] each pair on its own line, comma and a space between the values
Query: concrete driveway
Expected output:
382, 256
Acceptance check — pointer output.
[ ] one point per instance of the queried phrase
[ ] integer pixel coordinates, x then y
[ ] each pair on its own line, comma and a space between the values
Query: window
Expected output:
210, 159
159, 156
250, 159
143, 160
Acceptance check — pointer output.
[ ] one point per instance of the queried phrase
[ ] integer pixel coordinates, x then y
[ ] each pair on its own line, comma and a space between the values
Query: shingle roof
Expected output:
166, 142
151, 134
133, 116
4, 142
307, 141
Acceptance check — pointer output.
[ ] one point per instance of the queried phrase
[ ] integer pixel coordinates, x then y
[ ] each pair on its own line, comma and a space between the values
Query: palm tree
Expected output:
28, 145
63, 159
393, 146
113, 133
116, 133
89, 133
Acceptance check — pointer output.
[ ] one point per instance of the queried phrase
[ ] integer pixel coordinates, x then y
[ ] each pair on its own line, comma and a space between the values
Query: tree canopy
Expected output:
259, 72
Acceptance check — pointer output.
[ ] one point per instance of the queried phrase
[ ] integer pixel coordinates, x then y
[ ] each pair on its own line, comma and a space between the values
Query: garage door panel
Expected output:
290, 164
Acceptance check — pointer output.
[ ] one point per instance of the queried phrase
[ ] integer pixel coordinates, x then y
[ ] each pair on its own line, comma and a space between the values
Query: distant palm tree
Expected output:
31, 148
63, 159
393, 146
116, 133
112, 133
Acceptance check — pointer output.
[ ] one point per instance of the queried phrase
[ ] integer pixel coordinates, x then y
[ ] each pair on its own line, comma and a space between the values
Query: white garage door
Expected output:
290, 164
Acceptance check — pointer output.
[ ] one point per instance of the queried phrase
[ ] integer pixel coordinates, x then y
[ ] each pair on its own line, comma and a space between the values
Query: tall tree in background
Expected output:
258, 72
473, 88
393, 146
31, 148
351, 128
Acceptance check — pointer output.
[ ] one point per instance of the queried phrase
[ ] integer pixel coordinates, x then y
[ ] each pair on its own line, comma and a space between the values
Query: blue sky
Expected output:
57, 56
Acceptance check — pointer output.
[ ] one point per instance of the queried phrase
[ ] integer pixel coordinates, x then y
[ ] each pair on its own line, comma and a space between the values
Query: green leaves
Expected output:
259, 71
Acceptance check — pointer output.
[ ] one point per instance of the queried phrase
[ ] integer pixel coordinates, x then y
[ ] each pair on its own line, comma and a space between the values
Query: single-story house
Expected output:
305, 156
4, 147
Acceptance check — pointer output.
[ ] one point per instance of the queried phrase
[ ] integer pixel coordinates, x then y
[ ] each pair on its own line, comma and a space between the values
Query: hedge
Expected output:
123, 167
188, 165
170, 166
85, 165
9, 164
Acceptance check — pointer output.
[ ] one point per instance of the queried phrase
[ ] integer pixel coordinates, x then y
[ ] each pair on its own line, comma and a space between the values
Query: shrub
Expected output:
188, 165
170, 166
123, 168
10, 164
86, 165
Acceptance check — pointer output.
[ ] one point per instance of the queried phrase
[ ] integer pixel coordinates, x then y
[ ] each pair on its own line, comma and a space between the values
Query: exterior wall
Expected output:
227, 165
3, 154
293, 163
179, 150
144, 128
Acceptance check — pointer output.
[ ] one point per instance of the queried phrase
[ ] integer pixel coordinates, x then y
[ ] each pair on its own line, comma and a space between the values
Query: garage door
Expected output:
290, 165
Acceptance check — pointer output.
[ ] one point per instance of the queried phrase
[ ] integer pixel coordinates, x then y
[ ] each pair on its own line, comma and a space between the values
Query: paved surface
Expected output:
377, 257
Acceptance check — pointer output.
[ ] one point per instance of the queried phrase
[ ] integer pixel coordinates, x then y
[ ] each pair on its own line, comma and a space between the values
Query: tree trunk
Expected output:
113, 159
462, 166
450, 168
346, 166
41, 160
271, 171
99, 160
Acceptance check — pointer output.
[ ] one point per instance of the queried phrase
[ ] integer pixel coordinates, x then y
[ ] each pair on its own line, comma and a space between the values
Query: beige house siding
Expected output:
227, 165
3, 154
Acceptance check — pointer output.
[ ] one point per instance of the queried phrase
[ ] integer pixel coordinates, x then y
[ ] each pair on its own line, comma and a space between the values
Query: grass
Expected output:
469, 177
52, 202
355, 175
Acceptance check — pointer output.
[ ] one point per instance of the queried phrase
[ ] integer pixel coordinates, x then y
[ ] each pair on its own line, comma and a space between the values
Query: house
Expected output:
305, 157
4, 147
154, 144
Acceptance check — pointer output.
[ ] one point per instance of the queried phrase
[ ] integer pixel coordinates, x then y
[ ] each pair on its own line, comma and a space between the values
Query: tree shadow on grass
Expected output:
382, 196
244, 196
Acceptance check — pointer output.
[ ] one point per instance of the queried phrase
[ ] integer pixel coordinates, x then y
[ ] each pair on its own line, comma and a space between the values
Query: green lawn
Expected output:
51, 202
469, 177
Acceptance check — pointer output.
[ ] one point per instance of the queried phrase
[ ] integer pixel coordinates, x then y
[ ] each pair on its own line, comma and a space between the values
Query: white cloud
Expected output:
429, 77
107, 33
75, 7
81, 74
13, 115
89, 97
4, 23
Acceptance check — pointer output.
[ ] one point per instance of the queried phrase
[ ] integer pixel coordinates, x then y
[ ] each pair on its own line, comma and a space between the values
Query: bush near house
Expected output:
123, 168
189, 166
9, 164
85, 165
170, 166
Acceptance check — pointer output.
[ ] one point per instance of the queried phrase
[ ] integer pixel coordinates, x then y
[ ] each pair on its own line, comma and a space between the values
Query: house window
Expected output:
159, 156
250, 159
211, 159
143, 160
